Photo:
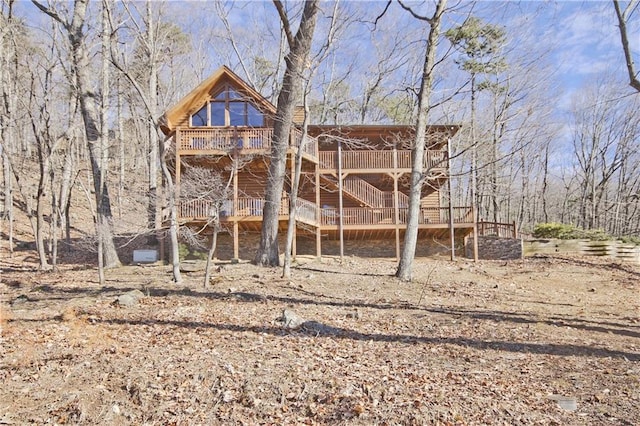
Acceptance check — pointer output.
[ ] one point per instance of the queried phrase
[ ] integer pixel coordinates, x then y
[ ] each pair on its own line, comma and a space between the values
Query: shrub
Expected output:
569, 232
630, 239
554, 230
191, 253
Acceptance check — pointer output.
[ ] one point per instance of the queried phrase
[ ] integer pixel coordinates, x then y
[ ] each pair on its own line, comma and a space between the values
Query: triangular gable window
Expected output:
228, 108
200, 118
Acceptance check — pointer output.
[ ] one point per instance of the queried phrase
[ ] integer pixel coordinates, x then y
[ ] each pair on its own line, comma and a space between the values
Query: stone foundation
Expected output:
495, 248
306, 246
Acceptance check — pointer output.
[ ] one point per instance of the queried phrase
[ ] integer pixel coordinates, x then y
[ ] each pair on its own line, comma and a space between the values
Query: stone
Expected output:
565, 402
20, 300
192, 266
291, 320
129, 299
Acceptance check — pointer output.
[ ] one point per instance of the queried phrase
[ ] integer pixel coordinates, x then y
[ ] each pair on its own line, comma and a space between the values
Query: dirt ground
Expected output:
550, 341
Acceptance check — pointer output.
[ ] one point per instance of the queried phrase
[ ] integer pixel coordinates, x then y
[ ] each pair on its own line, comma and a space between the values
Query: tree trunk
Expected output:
155, 206
212, 250
40, 203
89, 110
268, 252
6, 121
417, 173
173, 220
97, 145
293, 194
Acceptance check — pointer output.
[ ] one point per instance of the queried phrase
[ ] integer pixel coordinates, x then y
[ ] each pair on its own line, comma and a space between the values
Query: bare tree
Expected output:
7, 114
623, 18
418, 176
156, 41
209, 187
74, 27
296, 61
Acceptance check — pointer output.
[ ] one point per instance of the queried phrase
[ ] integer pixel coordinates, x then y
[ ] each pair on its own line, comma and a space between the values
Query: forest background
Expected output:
549, 119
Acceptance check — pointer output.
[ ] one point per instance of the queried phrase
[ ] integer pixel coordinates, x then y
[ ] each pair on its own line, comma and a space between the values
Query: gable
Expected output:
222, 79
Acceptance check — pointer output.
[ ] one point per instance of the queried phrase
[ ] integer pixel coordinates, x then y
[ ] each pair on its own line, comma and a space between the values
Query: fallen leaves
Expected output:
469, 353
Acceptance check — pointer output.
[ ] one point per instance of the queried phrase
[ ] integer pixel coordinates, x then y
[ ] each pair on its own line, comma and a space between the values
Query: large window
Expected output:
228, 108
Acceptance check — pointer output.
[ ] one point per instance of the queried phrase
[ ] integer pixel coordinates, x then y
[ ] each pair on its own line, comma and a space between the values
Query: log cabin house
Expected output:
353, 181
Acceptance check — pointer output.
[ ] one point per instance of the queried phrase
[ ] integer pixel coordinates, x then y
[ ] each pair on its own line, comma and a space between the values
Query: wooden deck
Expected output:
247, 208
377, 161
257, 141
247, 140
496, 229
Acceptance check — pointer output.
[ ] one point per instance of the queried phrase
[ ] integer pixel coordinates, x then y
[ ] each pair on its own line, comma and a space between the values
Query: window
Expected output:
200, 118
217, 114
228, 108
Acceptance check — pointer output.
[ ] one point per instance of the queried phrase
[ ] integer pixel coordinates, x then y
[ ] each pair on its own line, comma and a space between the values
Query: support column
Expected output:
340, 222
452, 234
236, 241
293, 242
318, 215
396, 200
475, 233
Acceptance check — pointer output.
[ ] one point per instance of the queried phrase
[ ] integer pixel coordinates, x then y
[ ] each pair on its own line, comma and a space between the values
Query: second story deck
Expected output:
379, 161
246, 140
258, 140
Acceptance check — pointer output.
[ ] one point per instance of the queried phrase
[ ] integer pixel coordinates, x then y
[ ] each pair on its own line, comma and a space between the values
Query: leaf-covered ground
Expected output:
541, 341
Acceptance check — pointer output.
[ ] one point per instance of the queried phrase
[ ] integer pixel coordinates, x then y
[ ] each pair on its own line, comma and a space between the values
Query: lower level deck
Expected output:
244, 216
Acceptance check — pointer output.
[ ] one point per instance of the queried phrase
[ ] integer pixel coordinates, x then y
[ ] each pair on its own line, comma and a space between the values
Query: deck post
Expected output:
318, 215
475, 232
340, 223
293, 243
236, 242
452, 232
396, 200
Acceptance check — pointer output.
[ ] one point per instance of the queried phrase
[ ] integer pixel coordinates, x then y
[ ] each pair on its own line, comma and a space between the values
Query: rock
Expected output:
291, 320
192, 266
566, 402
228, 396
355, 314
20, 300
129, 299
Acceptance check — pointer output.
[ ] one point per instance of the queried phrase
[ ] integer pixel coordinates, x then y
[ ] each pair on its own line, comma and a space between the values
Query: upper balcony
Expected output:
246, 140
372, 161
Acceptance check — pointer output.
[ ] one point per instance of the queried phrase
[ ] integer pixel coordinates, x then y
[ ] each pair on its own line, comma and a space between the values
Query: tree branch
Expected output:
50, 12
375, 23
285, 21
414, 14
634, 81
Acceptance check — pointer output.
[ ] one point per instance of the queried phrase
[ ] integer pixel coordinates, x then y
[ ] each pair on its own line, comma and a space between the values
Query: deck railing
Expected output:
495, 229
370, 159
311, 145
386, 216
245, 138
245, 206
307, 211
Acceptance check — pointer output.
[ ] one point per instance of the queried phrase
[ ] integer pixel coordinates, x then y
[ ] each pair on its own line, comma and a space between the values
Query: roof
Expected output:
194, 100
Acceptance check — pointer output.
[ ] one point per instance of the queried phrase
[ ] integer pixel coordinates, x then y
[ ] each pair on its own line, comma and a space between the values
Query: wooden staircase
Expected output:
365, 193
